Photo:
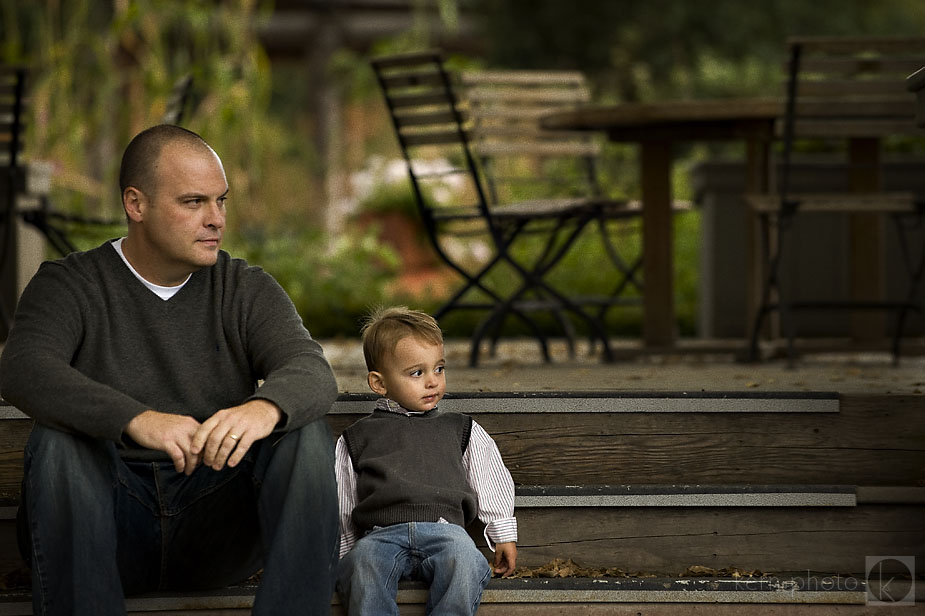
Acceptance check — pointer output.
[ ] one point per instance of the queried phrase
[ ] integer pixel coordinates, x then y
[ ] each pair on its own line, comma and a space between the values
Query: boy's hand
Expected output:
505, 558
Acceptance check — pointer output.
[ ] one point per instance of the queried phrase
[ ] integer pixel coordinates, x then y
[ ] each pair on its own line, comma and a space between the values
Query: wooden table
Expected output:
656, 127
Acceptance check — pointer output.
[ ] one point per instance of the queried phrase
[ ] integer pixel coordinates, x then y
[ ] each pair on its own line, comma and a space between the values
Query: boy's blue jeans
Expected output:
443, 555
96, 527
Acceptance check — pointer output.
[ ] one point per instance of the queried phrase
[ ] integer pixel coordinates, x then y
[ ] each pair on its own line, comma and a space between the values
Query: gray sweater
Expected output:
92, 347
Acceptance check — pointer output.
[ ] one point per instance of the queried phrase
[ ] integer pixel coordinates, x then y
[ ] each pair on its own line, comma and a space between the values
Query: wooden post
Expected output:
658, 272
866, 241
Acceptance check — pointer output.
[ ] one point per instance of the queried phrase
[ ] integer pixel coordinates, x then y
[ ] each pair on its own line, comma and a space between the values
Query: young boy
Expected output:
410, 478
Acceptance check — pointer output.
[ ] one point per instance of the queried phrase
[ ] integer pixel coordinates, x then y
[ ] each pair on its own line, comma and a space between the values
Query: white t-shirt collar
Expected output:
164, 293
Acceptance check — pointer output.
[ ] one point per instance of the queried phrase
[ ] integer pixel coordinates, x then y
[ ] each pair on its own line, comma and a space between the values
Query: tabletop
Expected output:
716, 118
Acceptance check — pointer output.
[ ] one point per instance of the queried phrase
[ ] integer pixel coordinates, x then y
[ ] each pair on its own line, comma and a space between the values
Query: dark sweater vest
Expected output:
409, 469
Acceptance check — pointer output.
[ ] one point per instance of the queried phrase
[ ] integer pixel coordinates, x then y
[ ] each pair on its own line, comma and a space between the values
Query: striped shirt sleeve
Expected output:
492, 484
346, 495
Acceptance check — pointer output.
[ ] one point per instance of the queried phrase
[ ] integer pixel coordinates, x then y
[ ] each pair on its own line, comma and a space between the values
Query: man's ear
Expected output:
376, 383
134, 202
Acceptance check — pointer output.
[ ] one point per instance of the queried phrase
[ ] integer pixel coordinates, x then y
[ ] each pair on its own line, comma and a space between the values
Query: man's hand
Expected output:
172, 434
505, 558
224, 438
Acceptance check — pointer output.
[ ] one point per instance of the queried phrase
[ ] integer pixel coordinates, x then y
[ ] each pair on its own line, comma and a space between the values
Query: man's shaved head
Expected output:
139, 162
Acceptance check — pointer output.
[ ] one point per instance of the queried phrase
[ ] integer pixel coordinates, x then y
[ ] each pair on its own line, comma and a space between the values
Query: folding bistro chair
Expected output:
521, 160
851, 90
433, 137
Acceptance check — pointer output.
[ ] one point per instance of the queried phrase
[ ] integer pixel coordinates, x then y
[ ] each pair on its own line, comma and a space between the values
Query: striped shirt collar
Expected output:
390, 406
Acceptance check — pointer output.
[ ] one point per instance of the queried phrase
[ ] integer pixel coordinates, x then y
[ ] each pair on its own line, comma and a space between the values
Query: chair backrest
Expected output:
429, 124
180, 96
849, 87
12, 94
522, 160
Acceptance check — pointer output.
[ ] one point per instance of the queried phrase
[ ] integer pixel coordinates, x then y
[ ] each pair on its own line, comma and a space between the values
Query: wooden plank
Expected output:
876, 440
547, 97
658, 299
669, 540
866, 127
850, 448
414, 80
838, 202
527, 78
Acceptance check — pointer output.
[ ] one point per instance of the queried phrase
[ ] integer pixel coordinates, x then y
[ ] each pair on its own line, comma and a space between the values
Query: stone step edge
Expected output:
831, 590
690, 496
687, 495
602, 401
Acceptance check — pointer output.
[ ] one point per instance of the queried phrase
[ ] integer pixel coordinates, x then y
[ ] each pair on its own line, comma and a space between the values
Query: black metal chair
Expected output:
434, 140
842, 89
521, 160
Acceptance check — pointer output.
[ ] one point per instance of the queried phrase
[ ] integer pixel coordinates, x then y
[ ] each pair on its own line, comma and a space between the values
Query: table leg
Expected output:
866, 244
657, 230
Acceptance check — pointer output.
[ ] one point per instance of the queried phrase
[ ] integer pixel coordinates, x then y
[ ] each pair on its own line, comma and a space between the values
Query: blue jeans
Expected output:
96, 528
443, 555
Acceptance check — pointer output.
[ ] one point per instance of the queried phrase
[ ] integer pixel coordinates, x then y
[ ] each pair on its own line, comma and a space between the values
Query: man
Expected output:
179, 438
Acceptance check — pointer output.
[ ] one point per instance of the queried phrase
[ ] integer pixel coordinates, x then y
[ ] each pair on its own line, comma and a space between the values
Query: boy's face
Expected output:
413, 375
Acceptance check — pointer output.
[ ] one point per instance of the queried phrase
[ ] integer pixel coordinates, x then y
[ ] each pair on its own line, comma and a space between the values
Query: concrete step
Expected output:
804, 594
657, 482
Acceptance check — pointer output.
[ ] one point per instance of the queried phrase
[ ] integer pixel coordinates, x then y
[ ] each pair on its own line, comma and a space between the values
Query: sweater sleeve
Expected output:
291, 364
36, 372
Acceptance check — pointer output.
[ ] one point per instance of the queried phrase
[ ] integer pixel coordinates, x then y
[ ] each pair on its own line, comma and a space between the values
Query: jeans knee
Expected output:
57, 460
306, 450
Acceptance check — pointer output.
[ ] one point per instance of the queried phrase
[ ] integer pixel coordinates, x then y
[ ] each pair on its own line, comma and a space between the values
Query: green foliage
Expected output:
101, 72
674, 49
333, 282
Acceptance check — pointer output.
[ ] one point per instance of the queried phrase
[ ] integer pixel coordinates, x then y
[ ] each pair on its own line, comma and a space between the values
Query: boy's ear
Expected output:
376, 383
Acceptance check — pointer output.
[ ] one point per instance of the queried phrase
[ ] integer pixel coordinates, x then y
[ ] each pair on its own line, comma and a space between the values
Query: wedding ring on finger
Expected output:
233, 437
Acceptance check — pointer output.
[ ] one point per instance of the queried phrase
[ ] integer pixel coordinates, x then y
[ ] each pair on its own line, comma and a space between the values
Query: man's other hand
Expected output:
172, 434
225, 438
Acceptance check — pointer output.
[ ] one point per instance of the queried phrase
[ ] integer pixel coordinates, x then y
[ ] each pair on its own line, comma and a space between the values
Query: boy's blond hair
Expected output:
385, 327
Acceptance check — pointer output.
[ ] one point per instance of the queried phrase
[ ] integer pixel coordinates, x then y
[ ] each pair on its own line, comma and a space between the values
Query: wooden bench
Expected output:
799, 486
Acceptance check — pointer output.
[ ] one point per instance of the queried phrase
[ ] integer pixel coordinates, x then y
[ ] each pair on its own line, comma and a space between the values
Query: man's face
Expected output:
183, 220
414, 376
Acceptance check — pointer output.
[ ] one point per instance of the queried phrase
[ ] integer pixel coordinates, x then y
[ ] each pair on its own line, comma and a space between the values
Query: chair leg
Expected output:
916, 271
533, 280
497, 317
767, 289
